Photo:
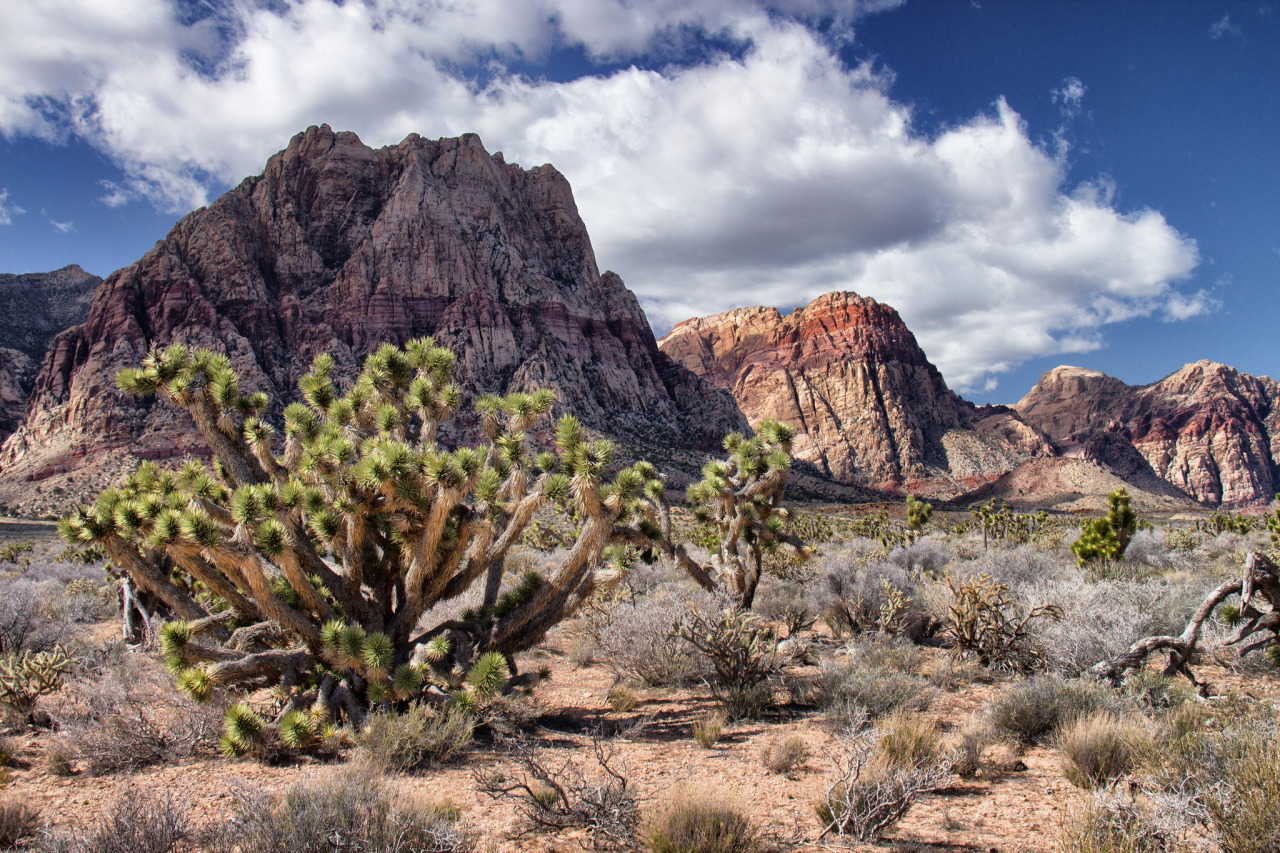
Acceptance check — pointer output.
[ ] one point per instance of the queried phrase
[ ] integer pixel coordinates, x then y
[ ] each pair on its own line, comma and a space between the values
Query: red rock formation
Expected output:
338, 247
868, 406
1209, 430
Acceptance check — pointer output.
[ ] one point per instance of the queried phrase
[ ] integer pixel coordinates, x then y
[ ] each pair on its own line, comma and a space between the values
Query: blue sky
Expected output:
1030, 184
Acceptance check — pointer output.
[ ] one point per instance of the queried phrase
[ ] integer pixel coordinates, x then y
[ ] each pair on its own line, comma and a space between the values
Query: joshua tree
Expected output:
918, 515
309, 570
1104, 540
742, 497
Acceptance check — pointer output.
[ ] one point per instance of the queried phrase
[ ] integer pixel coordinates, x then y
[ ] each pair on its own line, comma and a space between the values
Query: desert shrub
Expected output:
1101, 620
27, 621
1033, 709
878, 651
853, 596
639, 639
850, 687
706, 732
908, 740
925, 556
1106, 823
967, 755
1227, 783
784, 756
1097, 749
867, 795
130, 716
1017, 567
785, 602
743, 654
17, 822
136, 822
422, 736
348, 809
690, 820
986, 623
25, 677
568, 795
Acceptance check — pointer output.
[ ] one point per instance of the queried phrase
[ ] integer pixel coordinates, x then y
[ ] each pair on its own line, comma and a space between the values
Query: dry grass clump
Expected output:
349, 809
621, 699
909, 740
420, 737
1099, 748
707, 732
784, 756
967, 754
693, 820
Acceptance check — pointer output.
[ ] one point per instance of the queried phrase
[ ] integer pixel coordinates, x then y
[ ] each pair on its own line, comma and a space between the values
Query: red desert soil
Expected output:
1015, 803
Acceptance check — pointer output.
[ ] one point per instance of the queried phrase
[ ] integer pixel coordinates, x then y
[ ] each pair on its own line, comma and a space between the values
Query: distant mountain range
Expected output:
339, 247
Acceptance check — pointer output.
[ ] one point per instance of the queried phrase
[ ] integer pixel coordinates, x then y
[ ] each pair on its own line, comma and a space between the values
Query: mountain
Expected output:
337, 247
1207, 429
869, 407
34, 307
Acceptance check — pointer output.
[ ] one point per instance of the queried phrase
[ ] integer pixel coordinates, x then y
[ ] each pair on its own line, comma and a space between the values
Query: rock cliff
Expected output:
1207, 429
34, 307
339, 247
869, 407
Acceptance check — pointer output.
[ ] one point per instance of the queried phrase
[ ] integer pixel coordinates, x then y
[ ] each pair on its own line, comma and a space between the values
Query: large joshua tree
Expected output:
306, 564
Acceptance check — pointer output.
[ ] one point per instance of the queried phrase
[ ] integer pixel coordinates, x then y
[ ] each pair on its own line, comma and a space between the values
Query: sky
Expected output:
1029, 184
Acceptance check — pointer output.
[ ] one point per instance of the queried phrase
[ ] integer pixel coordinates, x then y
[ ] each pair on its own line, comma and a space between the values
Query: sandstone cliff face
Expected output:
338, 247
868, 406
34, 307
1209, 430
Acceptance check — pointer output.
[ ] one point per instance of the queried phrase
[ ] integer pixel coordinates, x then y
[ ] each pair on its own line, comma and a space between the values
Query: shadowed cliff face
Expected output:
1207, 429
338, 247
34, 307
868, 406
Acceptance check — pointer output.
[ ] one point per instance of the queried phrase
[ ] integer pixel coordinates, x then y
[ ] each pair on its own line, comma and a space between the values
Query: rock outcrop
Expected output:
1207, 429
34, 307
869, 407
337, 247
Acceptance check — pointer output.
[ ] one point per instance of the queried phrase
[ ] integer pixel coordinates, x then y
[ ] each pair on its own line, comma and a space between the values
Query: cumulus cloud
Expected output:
768, 173
8, 210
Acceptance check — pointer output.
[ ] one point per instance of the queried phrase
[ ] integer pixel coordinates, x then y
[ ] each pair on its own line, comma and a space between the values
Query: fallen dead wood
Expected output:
1259, 587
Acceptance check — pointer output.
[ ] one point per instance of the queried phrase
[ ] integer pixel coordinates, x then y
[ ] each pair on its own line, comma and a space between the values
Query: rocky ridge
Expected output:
337, 247
869, 407
1207, 429
34, 307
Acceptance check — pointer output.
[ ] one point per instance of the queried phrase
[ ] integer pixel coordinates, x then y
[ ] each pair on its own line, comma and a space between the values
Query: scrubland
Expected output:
896, 691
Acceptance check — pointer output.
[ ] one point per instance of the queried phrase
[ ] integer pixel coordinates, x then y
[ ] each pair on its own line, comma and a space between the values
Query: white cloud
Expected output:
1224, 27
62, 227
1070, 96
766, 177
8, 210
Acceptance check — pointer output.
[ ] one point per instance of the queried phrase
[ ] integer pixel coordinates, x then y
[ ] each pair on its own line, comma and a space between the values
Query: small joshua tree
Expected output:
918, 515
741, 496
1104, 540
309, 570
